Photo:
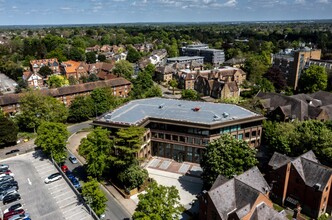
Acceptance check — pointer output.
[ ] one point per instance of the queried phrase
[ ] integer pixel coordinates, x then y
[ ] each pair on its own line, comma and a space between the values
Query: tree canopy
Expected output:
123, 68
45, 71
189, 94
52, 139
8, 131
81, 109
96, 149
159, 202
313, 79
133, 176
226, 156
55, 81
133, 55
35, 108
90, 57
102, 99
94, 196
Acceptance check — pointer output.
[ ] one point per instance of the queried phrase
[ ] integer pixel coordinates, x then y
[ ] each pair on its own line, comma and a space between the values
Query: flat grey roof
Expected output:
134, 112
184, 58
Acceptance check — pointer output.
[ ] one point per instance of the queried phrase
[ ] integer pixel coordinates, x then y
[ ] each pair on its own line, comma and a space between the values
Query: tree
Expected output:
8, 131
173, 83
313, 79
189, 94
123, 68
101, 57
76, 54
96, 149
81, 109
102, 100
94, 196
55, 81
133, 55
226, 156
142, 84
275, 76
127, 144
90, 57
72, 80
154, 91
35, 108
52, 139
45, 71
159, 202
133, 176
93, 78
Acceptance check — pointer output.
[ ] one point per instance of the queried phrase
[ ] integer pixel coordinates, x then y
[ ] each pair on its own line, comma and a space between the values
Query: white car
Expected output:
7, 174
4, 166
73, 159
20, 216
53, 177
13, 207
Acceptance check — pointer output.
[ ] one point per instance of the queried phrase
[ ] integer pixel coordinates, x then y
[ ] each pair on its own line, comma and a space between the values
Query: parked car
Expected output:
4, 166
70, 175
7, 192
64, 168
21, 216
76, 183
8, 172
12, 151
12, 213
6, 178
53, 177
8, 184
13, 207
8, 188
73, 159
2, 170
11, 198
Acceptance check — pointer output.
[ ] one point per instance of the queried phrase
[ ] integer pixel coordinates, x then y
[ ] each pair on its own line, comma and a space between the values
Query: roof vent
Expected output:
108, 117
225, 114
216, 118
317, 186
161, 105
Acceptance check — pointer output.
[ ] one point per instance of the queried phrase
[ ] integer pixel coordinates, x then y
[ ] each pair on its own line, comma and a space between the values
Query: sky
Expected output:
35, 12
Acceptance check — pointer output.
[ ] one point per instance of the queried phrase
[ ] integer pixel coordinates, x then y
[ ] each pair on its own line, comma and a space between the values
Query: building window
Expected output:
161, 135
168, 136
247, 135
182, 139
325, 199
327, 188
240, 136
254, 133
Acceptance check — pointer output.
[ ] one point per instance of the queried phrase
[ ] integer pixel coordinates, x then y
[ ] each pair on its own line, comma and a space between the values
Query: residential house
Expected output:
235, 62
301, 181
120, 87
74, 69
105, 48
146, 47
52, 63
301, 106
34, 79
217, 83
102, 69
95, 49
244, 197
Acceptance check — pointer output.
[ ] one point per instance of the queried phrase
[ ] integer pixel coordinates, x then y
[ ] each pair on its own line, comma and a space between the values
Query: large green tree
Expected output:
133, 55
102, 99
90, 57
45, 71
96, 149
55, 81
226, 156
128, 142
35, 108
173, 83
189, 94
133, 176
94, 196
123, 68
52, 139
8, 131
81, 109
158, 203
313, 79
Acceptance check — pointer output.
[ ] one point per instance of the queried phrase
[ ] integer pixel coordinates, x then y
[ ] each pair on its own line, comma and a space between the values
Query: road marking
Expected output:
29, 182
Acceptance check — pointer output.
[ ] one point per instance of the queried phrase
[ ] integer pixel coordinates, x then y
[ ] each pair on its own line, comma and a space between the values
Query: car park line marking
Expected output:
60, 194
29, 182
55, 186
76, 213
69, 204
67, 198
69, 210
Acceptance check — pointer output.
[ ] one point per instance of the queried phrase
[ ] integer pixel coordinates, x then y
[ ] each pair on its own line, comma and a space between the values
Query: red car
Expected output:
11, 213
64, 168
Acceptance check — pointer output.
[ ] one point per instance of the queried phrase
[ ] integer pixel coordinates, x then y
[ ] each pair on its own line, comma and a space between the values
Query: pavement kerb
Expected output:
113, 192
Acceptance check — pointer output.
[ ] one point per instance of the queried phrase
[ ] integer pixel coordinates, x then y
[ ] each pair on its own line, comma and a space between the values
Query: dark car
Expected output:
11, 198
6, 179
12, 213
12, 151
70, 175
75, 182
8, 184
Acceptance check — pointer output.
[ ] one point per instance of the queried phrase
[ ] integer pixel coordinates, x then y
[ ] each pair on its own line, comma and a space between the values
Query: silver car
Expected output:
20, 216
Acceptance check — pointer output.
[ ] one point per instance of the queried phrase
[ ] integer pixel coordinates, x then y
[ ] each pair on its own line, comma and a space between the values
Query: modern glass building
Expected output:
181, 129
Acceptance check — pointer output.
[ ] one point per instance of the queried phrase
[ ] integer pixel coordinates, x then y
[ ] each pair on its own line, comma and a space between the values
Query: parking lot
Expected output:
55, 200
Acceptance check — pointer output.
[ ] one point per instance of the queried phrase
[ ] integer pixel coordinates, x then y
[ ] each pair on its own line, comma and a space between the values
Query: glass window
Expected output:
161, 135
247, 134
168, 136
191, 140
175, 138
189, 154
182, 139
254, 133
240, 136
